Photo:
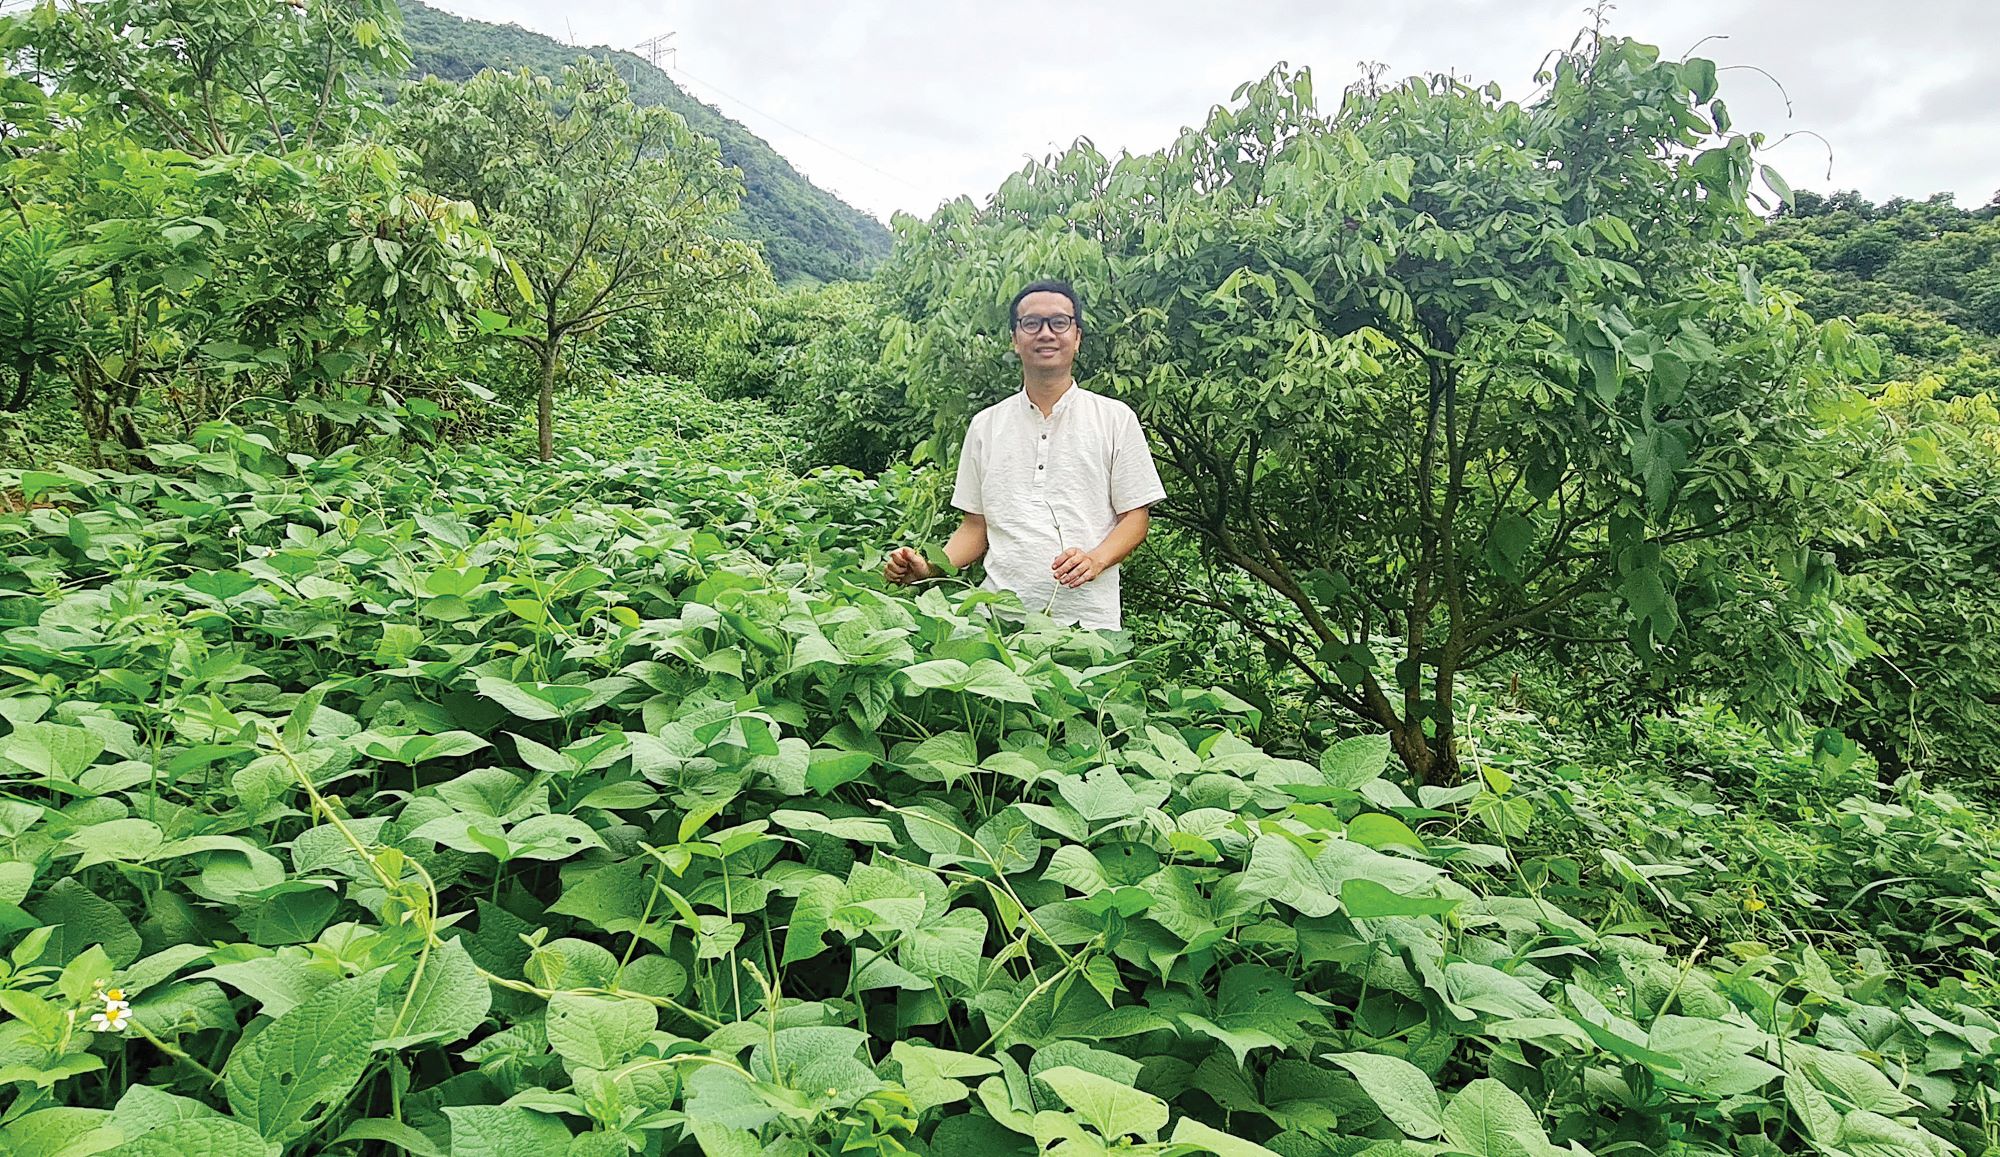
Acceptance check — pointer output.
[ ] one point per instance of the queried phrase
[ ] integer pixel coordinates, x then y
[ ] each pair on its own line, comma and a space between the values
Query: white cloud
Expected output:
899, 106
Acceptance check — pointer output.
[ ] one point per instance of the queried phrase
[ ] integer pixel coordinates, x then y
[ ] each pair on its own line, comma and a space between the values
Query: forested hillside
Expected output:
1901, 256
1923, 276
805, 231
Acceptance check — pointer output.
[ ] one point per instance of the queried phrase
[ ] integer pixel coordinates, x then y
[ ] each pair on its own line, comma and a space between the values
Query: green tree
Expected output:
38, 280
1919, 551
204, 222
1445, 373
602, 208
36, 274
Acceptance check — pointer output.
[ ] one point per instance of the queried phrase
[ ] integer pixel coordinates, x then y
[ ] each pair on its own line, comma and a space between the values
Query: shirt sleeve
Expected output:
969, 493
1135, 480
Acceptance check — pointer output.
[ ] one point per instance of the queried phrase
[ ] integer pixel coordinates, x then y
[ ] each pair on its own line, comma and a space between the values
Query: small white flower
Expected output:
117, 1012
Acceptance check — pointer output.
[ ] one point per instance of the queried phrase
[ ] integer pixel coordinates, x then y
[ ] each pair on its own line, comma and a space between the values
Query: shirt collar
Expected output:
1062, 403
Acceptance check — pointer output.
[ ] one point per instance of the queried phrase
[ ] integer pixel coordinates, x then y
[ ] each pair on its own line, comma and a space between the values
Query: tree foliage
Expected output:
827, 357
1846, 255
202, 221
604, 208
210, 215
1927, 694
1920, 547
1444, 372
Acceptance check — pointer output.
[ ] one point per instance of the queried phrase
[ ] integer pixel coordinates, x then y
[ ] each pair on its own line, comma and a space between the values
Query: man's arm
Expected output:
1074, 567
966, 546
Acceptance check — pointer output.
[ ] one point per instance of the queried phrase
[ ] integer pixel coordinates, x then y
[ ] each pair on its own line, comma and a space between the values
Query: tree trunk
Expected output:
1444, 744
1406, 733
128, 429
126, 401
96, 425
1428, 759
545, 404
1443, 766
24, 386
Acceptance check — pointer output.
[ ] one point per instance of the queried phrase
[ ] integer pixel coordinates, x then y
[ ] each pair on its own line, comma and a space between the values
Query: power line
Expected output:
832, 148
660, 50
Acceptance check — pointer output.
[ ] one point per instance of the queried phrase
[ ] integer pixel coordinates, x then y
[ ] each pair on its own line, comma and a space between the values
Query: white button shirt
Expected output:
1049, 484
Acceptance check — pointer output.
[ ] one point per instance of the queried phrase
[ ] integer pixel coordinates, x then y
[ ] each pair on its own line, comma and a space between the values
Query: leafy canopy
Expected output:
1443, 373
203, 219
604, 208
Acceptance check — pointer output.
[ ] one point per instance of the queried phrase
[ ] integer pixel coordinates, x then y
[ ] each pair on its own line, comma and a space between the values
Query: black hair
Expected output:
1046, 286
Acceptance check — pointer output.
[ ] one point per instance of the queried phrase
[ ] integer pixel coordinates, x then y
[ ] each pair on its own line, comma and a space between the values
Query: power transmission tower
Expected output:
660, 50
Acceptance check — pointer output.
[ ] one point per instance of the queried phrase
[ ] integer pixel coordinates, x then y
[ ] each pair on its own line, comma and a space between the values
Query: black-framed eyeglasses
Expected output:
1060, 323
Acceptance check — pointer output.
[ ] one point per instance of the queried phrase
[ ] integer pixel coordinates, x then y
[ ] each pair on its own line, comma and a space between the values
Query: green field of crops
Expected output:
473, 808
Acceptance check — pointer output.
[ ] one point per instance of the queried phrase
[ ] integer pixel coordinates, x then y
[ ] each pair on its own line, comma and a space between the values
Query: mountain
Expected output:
805, 230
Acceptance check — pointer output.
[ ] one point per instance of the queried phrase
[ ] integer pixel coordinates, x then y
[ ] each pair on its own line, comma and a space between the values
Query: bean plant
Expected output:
461, 806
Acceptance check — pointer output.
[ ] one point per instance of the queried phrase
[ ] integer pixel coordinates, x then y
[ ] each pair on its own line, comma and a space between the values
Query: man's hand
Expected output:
906, 566
1074, 567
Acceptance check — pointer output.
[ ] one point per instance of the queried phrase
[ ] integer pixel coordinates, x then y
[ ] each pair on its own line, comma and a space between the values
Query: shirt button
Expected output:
1038, 466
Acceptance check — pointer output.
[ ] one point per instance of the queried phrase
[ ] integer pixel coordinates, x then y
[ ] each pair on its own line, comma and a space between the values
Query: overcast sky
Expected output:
902, 104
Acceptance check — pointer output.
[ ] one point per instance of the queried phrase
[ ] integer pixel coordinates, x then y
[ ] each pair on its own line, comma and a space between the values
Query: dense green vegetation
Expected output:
610, 798
1403, 376
1920, 278
203, 218
823, 356
1557, 718
1916, 260
212, 213
803, 231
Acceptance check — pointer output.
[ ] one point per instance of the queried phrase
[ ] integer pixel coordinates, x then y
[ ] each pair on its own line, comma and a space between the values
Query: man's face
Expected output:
1048, 351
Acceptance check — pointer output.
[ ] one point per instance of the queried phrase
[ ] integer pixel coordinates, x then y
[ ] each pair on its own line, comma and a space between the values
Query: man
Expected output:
1055, 482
